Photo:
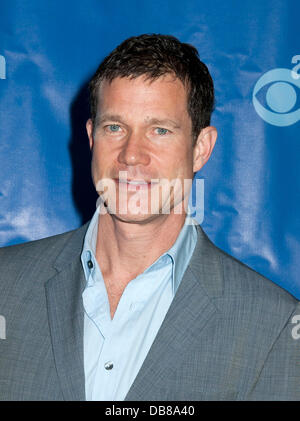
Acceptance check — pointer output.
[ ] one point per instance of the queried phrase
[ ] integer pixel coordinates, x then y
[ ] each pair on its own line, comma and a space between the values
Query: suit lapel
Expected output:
66, 316
191, 309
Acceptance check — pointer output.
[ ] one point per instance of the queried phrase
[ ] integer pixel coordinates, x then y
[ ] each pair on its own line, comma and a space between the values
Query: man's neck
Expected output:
127, 249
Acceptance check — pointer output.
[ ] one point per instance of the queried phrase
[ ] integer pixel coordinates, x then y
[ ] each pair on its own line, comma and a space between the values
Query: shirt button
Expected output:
90, 264
109, 365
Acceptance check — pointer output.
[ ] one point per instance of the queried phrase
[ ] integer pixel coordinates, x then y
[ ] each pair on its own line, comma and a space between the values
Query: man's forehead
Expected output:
166, 93
168, 79
161, 102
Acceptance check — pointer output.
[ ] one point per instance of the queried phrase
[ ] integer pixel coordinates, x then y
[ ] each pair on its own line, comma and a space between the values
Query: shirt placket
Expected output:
109, 367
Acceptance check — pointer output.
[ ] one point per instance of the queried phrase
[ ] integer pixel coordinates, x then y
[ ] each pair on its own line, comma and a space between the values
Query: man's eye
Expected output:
113, 127
161, 131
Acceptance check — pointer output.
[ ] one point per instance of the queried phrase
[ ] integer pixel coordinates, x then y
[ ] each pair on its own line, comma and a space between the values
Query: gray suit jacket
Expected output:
227, 334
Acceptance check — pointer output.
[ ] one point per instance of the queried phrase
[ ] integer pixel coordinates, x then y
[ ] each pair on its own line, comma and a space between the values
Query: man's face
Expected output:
142, 130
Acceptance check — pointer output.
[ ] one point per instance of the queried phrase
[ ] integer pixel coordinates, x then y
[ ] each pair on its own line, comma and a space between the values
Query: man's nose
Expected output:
134, 151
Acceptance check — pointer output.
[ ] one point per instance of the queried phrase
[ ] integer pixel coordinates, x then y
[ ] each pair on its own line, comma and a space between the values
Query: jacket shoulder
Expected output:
36, 247
34, 260
251, 282
241, 281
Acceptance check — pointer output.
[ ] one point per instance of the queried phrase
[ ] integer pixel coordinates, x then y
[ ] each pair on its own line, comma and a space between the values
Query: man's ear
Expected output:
89, 130
204, 147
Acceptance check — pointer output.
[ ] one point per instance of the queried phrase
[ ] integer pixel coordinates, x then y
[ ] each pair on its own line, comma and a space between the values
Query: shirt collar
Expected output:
182, 250
89, 245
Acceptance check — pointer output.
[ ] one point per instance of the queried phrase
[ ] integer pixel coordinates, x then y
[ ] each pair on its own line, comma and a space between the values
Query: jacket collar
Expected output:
72, 249
66, 316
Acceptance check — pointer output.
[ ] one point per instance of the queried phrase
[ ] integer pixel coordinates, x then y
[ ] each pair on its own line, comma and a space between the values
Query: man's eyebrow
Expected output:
108, 117
163, 122
149, 121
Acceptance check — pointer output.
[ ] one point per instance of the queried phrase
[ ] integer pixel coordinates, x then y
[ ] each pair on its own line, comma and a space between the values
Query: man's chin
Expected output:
139, 218
140, 214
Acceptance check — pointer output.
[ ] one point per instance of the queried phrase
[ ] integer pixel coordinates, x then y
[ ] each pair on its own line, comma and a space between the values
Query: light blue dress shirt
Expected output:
114, 350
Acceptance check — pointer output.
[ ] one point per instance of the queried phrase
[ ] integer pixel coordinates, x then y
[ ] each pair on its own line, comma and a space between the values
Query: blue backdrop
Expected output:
49, 50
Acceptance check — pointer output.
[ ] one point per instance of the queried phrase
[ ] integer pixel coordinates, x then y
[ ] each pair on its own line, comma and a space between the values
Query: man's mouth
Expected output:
142, 184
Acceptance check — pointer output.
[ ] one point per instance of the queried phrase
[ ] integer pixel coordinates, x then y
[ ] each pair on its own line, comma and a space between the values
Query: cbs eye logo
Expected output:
281, 96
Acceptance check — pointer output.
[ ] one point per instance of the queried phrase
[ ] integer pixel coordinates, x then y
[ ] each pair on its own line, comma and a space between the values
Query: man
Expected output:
138, 304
